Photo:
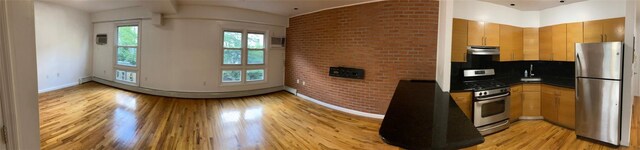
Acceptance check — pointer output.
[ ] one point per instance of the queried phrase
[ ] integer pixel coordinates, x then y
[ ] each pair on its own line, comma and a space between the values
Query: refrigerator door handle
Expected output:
579, 63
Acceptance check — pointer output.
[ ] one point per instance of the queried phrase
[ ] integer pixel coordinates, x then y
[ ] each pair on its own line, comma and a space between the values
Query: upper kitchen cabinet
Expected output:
459, 40
559, 42
483, 34
546, 46
510, 43
574, 35
608, 30
530, 48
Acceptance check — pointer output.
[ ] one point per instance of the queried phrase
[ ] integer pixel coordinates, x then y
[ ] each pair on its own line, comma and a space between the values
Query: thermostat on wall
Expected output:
101, 39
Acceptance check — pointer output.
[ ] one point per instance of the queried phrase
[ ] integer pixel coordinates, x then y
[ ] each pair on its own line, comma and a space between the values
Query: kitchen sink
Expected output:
530, 79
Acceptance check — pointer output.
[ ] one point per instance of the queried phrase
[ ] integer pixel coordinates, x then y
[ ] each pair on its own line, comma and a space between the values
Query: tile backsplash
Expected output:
515, 69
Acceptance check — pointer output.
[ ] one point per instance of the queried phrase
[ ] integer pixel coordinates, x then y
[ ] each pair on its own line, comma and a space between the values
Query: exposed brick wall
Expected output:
390, 40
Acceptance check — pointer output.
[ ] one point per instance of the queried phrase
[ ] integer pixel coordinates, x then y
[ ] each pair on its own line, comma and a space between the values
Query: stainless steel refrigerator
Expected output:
598, 90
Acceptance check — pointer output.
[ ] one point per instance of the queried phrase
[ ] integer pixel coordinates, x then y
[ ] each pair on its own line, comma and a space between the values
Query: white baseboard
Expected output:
58, 87
342, 109
291, 90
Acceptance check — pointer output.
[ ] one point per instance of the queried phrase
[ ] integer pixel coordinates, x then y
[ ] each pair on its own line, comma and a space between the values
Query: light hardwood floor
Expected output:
94, 116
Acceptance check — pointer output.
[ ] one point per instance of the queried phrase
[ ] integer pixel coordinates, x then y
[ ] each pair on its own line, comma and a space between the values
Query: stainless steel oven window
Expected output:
493, 108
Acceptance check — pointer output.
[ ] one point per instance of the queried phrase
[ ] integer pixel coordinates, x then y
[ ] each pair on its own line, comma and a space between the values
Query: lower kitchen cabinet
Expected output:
516, 103
531, 100
567, 108
559, 105
549, 103
464, 101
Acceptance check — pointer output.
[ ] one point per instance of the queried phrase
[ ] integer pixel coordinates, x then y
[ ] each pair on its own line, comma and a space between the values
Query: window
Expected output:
255, 75
127, 50
126, 76
232, 76
243, 56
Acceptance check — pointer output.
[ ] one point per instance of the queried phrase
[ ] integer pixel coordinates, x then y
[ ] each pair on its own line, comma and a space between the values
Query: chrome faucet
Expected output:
531, 71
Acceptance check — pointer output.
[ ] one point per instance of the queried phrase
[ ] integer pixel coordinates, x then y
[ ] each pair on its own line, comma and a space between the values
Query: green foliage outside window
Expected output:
255, 75
127, 43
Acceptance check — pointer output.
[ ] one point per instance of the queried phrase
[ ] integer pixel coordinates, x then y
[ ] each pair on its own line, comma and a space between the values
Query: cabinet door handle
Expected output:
605, 38
601, 37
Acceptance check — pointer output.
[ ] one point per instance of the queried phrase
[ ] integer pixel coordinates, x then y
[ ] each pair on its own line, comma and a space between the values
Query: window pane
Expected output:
231, 75
127, 56
128, 36
126, 76
255, 75
232, 40
255, 57
232, 57
255, 41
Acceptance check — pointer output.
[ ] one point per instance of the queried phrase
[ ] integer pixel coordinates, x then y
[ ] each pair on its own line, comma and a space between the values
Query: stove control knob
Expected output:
480, 93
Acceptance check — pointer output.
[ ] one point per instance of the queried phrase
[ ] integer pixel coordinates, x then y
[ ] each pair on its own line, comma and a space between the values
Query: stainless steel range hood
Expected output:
483, 50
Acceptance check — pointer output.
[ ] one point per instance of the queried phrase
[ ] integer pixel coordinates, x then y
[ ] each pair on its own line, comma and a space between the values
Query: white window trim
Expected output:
244, 66
135, 69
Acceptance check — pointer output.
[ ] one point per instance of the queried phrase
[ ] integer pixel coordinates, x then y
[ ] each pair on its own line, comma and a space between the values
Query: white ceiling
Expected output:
531, 5
279, 7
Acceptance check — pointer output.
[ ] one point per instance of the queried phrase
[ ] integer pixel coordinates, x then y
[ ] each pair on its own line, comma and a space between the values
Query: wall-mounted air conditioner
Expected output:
278, 42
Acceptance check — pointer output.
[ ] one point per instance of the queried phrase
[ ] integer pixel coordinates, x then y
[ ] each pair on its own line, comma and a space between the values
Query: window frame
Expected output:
242, 47
244, 66
116, 45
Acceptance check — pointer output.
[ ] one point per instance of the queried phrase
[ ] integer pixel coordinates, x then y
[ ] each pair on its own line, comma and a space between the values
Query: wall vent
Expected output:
278, 42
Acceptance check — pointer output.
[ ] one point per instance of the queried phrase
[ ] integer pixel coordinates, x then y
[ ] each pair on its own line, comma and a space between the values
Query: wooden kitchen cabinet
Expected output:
559, 105
608, 30
567, 108
548, 104
483, 33
510, 43
516, 103
574, 35
613, 30
559, 42
530, 46
546, 46
459, 40
464, 101
531, 100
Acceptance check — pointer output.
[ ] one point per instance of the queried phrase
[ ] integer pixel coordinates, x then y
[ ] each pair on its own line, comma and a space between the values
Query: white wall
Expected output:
19, 35
583, 11
489, 12
63, 45
184, 54
445, 33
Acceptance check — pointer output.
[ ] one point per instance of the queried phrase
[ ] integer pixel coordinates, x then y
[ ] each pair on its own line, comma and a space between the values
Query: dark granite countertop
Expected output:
422, 116
555, 81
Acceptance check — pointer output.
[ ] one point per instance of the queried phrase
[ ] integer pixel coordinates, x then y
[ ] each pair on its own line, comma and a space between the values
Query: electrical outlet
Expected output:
304, 83
297, 81
204, 83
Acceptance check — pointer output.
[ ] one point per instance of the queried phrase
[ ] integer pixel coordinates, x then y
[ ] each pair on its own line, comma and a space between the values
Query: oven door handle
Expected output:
492, 97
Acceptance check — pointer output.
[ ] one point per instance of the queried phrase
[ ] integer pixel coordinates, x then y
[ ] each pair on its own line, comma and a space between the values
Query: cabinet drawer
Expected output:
516, 89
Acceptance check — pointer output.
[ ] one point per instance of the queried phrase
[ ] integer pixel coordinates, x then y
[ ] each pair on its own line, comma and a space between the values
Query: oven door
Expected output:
491, 110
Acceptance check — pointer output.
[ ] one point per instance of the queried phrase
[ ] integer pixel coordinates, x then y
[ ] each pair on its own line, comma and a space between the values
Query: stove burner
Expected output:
484, 84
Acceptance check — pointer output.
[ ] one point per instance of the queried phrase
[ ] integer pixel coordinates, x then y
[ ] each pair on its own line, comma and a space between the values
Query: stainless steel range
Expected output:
490, 100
